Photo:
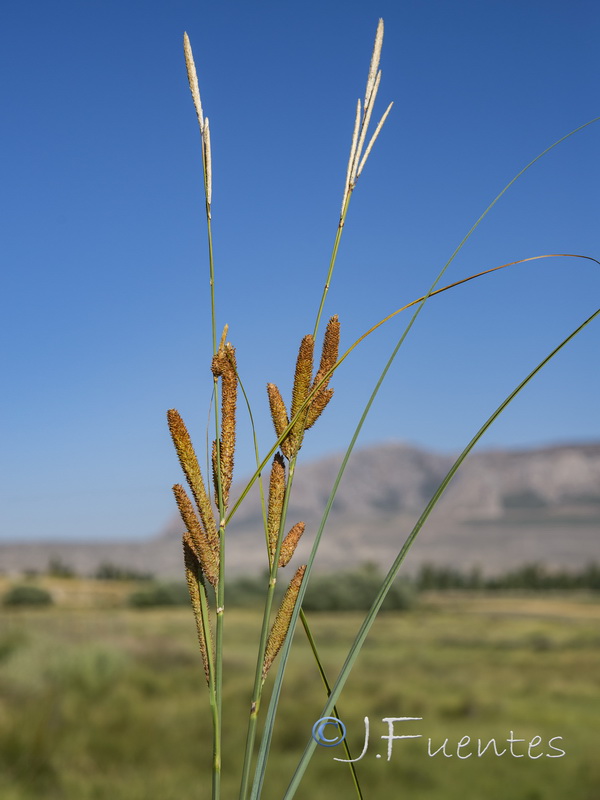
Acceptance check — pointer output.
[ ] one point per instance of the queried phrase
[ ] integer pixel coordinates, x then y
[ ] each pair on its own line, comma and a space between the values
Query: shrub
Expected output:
355, 590
57, 568
25, 595
112, 572
160, 594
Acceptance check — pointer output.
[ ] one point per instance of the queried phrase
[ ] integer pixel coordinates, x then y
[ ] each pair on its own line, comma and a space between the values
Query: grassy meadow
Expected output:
101, 701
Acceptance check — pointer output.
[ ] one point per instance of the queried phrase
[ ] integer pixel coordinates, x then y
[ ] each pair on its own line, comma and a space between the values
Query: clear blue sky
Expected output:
105, 311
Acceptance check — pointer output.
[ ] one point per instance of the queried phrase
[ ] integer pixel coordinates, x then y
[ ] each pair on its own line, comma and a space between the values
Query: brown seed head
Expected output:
191, 576
282, 620
278, 412
208, 558
276, 494
302, 381
224, 367
303, 374
191, 469
329, 356
289, 544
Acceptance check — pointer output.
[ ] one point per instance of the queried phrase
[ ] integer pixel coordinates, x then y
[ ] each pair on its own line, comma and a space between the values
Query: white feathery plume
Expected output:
374, 66
352, 154
193, 79
375, 135
357, 159
363, 130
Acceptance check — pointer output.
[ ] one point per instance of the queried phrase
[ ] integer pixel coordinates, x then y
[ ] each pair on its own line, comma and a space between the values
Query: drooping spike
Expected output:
191, 469
208, 558
329, 356
191, 572
302, 382
282, 620
289, 544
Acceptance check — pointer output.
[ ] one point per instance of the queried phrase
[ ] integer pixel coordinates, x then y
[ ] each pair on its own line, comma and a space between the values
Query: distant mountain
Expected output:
503, 508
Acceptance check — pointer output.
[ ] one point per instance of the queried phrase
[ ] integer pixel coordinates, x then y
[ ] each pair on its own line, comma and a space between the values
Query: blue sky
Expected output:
105, 304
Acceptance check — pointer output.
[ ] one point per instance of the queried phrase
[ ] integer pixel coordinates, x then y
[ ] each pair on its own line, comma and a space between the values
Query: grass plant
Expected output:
207, 512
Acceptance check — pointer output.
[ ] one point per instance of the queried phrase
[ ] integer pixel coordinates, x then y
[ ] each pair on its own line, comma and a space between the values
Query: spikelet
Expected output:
193, 79
368, 110
191, 469
302, 380
374, 65
352, 156
191, 573
329, 356
208, 558
373, 138
278, 410
224, 367
289, 544
303, 374
276, 494
282, 620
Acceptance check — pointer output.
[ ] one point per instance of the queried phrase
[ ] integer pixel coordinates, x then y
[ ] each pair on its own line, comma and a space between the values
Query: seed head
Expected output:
276, 495
197, 539
289, 544
282, 620
191, 576
191, 469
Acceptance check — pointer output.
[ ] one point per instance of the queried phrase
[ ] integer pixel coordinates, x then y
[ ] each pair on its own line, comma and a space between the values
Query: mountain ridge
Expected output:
505, 507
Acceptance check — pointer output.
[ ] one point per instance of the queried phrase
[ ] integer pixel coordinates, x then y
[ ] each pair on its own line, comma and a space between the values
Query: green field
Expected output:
109, 703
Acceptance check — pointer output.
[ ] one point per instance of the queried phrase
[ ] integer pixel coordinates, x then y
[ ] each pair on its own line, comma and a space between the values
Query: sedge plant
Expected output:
206, 512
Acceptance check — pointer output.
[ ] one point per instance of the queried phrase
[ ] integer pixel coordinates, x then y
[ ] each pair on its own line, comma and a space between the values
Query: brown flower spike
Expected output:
303, 386
191, 469
289, 544
197, 539
329, 356
276, 494
191, 576
282, 620
224, 367
302, 379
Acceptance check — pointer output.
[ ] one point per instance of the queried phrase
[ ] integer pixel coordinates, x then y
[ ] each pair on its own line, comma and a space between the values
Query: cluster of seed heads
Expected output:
203, 536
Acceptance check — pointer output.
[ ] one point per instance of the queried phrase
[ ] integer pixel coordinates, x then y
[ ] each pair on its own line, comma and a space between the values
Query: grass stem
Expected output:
262, 647
313, 647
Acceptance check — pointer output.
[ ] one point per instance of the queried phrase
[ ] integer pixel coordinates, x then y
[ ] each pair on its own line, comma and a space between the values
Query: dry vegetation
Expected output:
98, 703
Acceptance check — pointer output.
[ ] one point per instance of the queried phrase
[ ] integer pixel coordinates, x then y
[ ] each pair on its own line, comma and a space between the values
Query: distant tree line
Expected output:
530, 577
106, 571
351, 590
355, 590
348, 590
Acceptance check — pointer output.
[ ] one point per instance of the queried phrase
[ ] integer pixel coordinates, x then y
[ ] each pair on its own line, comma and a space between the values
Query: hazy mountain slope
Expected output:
502, 509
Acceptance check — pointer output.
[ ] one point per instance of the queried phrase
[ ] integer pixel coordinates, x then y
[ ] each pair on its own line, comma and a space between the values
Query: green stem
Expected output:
218, 712
264, 635
211, 265
211, 688
313, 647
332, 260
220, 600
216, 700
